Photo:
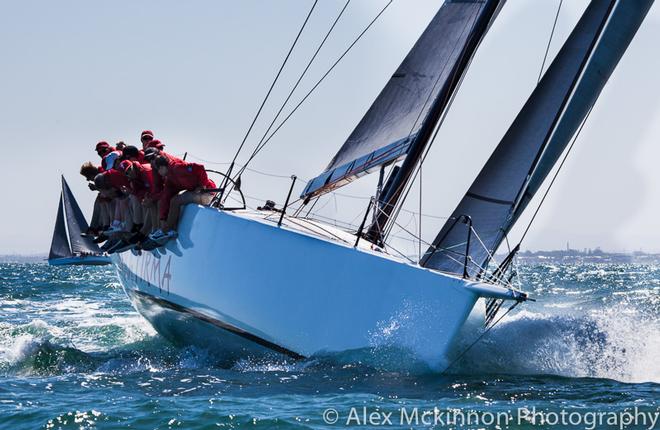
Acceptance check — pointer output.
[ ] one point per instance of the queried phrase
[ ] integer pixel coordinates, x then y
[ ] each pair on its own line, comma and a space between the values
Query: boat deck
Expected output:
310, 227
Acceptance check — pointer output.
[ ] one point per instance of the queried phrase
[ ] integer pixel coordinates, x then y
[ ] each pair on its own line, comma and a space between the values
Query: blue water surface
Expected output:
75, 355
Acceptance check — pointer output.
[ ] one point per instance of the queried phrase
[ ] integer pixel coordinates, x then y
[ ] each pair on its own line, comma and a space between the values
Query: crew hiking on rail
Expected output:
141, 193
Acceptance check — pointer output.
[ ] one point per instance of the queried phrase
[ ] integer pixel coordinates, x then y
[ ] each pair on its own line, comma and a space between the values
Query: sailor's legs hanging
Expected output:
179, 200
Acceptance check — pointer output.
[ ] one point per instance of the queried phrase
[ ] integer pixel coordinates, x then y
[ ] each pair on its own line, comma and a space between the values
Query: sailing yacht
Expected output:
252, 283
68, 247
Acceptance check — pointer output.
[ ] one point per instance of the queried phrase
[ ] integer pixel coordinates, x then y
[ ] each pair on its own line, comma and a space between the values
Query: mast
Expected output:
538, 136
389, 201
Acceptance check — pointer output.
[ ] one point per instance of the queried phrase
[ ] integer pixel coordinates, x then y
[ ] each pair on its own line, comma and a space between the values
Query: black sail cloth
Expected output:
430, 73
70, 218
539, 134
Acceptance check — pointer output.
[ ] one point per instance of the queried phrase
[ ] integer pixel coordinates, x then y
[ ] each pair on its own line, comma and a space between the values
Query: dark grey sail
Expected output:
59, 246
430, 73
76, 224
539, 134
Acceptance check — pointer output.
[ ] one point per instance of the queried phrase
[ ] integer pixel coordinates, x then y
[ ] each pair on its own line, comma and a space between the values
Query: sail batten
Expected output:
396, 120
540, 133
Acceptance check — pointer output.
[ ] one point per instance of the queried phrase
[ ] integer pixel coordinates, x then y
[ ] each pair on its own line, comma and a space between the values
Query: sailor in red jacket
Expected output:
101, 217
155, 143
108, 155
115, 182
145, 137
184, 183
150, 155
132, 153
140, 177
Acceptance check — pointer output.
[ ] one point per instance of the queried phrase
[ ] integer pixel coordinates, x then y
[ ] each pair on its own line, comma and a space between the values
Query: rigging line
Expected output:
419, 250
406, 230
465, 351
554, 178
491, 256
277, 76
547, 48
312, 207
302, 75
341, 57
249, 169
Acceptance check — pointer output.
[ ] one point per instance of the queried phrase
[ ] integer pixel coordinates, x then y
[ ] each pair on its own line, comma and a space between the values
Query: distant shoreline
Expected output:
597, 255
23, 258
569, 256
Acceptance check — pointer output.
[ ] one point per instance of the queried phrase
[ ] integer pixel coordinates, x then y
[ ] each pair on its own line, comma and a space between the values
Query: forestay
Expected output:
539, 134
431, 71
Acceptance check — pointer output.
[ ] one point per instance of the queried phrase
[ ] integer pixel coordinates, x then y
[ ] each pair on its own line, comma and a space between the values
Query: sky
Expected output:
76, 72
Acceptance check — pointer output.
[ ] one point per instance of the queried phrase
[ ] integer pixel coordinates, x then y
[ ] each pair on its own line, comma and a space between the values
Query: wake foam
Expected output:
38, 356
606, 343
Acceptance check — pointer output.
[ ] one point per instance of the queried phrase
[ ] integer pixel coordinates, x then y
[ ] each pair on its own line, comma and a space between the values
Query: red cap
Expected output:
124, 166
147, 133
156, 144
102, 144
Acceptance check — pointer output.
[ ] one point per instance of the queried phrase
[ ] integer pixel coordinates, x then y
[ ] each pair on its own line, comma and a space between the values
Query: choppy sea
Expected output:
75, 355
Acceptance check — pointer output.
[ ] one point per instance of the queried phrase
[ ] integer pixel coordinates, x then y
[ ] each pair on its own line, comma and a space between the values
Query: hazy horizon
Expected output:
75, 73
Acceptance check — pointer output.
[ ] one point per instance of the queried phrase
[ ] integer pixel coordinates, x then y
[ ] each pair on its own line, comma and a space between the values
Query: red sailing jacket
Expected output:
116, 179
182, 176
139, 158
158, 180
143, 185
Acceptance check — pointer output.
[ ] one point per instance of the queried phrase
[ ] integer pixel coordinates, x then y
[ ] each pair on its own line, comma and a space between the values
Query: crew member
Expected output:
101, 213
108, 155
145, 137
184, 183
132, 153
114, 183
140, 178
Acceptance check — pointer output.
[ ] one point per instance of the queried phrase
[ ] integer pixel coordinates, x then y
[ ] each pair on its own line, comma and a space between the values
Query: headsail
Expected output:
76, 224
59, 246
539, 134
430, 73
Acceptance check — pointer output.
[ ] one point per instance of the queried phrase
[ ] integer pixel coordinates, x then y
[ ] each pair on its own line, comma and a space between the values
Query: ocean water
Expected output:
75, 355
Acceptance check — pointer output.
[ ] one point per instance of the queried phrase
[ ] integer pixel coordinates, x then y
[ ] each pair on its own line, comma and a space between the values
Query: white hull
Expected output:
243, 286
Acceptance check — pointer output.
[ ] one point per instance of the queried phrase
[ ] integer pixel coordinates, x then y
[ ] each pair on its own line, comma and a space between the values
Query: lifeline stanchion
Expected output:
286, 203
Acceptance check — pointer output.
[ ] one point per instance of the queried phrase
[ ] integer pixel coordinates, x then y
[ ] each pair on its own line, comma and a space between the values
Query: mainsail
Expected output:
538, 136
59, 246
71, 218
415, 96
76, 224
